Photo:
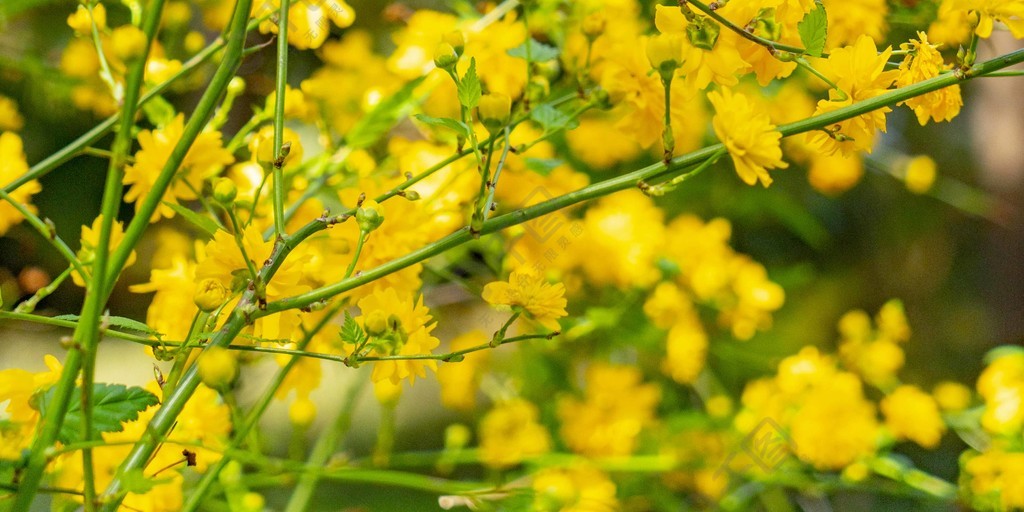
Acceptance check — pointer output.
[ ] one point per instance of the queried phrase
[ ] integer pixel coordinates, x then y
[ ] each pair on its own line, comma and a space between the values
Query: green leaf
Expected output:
542, 166
552, 119
534, 51
444, 122
814, 29
119, 322
136, 481
379, 121
351, 332
205, 224
159, 111
112, 404
469, 87
10, 8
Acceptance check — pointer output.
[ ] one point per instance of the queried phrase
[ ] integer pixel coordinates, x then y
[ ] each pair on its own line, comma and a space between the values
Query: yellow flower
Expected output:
90, 239
994, 479
834, 425
952, 396
859, 71
295, 104
81, 21
748, 134
128, 42
913, 414
1001, 385
921, 63
1007, 12
206, 156
17, 389
10, 118
849, 20
616, 407
12, 167
835, 174
173, 280
308, 21
459, 381
920, 174
217, 367
543, 302
686, 351
579, 488
628, 231
262, 146
510, 433
408, 327
721, 64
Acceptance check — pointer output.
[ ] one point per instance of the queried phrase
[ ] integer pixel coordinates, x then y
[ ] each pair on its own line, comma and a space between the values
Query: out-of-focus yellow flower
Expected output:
951, 26
173, 280
17, 388
217, 367
848, 20
913, 414
700, 66
295, 104
994, 479
543, 302
616, 408
160, 70
835, 425
859, 71
206, 156
1007, 12
302, 412
91, 238
1001, 385
309, 22
748, 134
952, 396
128, 42
921, 63
919, 174
10, 118
835, 174
460, 380
686, 351
12, 167
81, 21
510, 433
874, 354
261, 146
407, 333
627, 230
579, 488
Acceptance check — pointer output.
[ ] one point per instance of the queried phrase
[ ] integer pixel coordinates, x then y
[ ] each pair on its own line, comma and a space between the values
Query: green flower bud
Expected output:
665, 52
456, 39
224, 191
445, 57
369, 216
236, 86
703, 35
494, 110
412, 195
376, 323
593, 25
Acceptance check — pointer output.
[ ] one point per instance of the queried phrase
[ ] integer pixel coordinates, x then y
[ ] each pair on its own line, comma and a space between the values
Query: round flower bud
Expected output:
236, 86
253, 502
177, 14
412, 195
128, 42
457, 436
920, 174
210, 294
593, 25
224, 190
664, 51
302, 412
369, 216
494, 110
445, 57
217, 367
376, 323
456, 39
262, 146
194, 42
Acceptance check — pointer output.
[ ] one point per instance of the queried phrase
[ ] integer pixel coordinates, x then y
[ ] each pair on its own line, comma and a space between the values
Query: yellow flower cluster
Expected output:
12, 167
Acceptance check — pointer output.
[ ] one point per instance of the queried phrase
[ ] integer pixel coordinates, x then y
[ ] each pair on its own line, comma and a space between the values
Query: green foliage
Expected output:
351, 332
112, 404
813, 30
119, 322
444, 122
205, 224
534, 51
135, 480
377, 122
469, 87
552, 119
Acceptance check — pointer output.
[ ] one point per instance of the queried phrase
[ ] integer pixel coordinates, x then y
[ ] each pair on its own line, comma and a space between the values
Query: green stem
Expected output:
497, 174
29, 305
108, 78
87, 333
48, 234
252, 419
325, 446
282, 82
668, 139
363, 235
802, 62
629, 180
770, 45
93, 136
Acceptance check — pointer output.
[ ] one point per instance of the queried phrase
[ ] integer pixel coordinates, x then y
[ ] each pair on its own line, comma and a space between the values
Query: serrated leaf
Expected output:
136, 481
534, 51
542, 166
112, 404
444, 122
120, 322
351, 332
813, 30
552, 119
377, 122
469, 87
205, 224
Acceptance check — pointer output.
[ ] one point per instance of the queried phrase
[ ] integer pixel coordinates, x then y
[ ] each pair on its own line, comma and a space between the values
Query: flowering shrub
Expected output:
483, 200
